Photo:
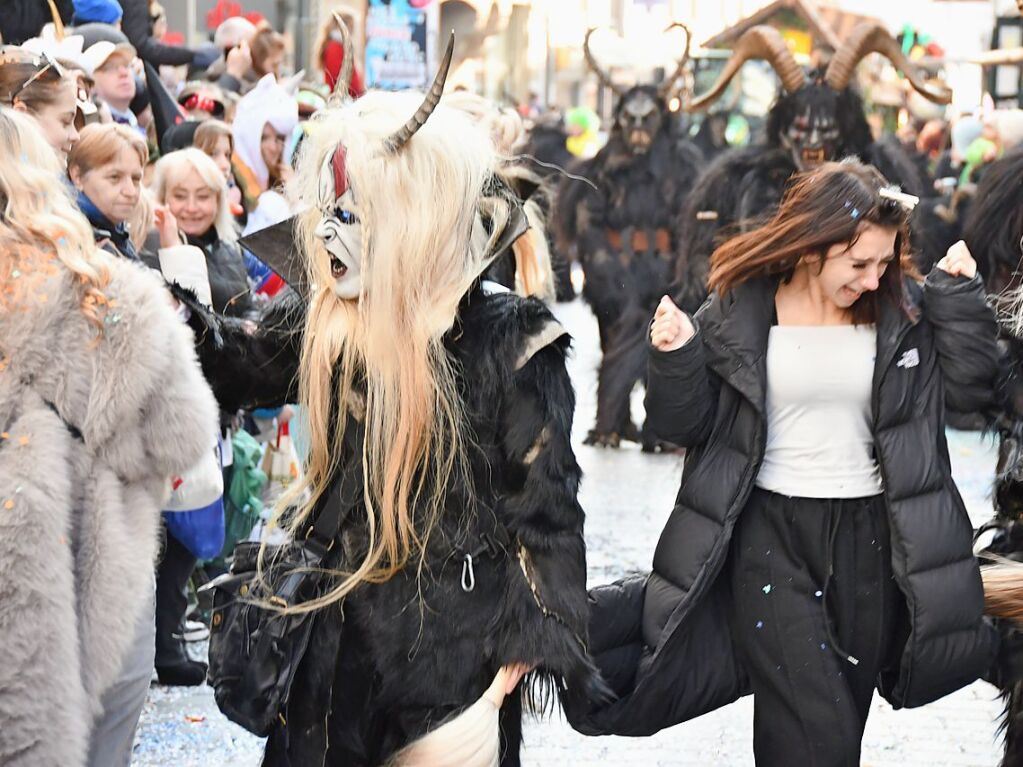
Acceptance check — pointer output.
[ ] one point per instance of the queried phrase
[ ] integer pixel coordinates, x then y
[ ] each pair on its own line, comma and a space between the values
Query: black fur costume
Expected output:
993, 232
815, 119
396, 659
620, 228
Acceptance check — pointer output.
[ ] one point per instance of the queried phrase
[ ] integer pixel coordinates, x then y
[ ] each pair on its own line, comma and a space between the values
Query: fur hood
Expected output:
90, 432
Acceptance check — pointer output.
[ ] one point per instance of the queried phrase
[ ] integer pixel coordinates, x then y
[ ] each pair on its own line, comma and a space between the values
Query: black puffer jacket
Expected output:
229, 281
663, 642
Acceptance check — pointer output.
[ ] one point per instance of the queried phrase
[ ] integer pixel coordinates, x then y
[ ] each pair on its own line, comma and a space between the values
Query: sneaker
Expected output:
195, 631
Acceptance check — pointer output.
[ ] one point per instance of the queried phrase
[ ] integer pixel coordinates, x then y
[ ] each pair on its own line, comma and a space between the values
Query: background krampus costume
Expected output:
994, 233
440, 411
620, 228
815, 119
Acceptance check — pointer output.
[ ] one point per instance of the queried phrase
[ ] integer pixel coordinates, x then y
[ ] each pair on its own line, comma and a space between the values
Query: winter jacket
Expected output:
663, 641
138, 28
22, 20
90, 433
229, 277
113, 238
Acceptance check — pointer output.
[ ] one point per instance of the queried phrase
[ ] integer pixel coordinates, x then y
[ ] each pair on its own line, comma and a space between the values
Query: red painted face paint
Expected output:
337, 163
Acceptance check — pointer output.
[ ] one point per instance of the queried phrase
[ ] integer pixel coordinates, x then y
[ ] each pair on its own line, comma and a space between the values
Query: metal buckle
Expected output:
492, 548
468, 574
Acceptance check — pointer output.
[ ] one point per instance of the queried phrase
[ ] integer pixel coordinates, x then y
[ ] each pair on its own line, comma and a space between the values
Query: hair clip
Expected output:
855, 212
907, 201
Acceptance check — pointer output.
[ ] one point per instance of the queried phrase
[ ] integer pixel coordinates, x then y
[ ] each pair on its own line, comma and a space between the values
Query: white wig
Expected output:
417, 193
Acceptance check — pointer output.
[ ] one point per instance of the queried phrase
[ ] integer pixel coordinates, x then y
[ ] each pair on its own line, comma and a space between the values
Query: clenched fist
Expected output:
958, 261
671, 327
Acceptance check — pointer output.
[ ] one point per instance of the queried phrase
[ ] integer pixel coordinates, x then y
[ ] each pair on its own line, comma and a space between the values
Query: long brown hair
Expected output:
826, 206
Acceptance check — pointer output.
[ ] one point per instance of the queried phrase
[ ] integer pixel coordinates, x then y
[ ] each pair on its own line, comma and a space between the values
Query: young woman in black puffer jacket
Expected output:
818, 547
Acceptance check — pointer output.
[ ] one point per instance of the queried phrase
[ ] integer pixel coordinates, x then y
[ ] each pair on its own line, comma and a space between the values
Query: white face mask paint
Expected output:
341, 234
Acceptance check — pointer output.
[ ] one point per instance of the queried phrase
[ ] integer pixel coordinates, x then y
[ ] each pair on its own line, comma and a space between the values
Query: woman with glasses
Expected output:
37, 86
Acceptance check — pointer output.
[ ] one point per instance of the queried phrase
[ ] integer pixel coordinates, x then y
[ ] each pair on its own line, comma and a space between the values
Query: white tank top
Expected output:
819, 381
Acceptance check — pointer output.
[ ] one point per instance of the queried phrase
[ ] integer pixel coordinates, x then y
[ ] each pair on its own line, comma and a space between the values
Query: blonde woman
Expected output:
440, 409
192, 188
101, 402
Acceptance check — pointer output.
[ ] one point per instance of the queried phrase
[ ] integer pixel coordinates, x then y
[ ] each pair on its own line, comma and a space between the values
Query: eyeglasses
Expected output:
114, 66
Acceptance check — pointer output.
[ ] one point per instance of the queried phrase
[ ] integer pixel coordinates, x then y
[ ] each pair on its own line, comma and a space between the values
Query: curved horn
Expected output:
408, 130
760, 42
344, 79
870, 37
58, 23
600, 73
667, 86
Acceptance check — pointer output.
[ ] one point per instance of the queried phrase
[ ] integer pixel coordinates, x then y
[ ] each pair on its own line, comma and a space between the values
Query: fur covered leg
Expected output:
510, 724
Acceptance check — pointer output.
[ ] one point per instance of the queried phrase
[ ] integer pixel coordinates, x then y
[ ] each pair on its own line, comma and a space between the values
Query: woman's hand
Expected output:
167, 225
671, 327
238, 60
958, 261
505, 682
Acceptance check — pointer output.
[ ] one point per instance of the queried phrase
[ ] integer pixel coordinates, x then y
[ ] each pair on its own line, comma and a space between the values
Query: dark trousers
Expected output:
172, 576
812, 592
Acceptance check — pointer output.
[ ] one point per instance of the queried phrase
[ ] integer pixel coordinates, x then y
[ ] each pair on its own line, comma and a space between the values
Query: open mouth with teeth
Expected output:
337, 268
639, 138
813, 156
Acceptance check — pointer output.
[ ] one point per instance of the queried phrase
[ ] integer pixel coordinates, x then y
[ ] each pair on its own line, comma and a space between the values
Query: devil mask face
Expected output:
812, 134
639, 119
339, 228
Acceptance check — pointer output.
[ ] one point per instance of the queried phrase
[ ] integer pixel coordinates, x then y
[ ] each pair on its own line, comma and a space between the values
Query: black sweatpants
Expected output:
813, 617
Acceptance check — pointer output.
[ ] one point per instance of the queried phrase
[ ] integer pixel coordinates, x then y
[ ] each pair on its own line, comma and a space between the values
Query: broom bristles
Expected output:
1003, 589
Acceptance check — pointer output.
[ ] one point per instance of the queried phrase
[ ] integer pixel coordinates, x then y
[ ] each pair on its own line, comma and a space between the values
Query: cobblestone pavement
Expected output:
627, 496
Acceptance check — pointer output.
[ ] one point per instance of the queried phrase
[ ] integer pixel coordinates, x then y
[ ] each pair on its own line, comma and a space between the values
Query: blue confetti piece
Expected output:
760, 624
767, 589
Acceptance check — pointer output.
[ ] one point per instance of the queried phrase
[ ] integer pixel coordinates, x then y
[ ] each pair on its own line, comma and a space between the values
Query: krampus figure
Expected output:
619, 225
815, 119
994, 233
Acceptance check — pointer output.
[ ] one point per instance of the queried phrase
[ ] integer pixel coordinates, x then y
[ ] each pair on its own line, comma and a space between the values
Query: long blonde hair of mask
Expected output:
38, 221
417, 208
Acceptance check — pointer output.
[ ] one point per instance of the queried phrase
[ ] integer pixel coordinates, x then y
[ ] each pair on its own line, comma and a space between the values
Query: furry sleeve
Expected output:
544, 518
249, 363
150, 414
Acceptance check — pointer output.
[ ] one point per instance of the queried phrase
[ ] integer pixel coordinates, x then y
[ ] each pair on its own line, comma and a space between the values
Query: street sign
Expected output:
401, 43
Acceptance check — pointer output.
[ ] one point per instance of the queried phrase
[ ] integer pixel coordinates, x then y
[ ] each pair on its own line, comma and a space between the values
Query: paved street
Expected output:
627, 496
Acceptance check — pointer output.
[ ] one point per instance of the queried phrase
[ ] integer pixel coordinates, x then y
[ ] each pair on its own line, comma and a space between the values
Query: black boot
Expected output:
173, 666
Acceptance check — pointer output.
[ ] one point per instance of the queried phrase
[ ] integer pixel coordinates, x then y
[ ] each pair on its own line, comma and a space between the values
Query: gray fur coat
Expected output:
79, 515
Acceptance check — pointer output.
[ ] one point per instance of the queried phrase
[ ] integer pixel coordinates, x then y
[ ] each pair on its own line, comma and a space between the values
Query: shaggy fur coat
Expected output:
90, 432
400, 657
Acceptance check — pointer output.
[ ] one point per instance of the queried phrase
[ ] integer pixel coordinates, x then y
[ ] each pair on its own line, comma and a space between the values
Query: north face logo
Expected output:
909, 359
